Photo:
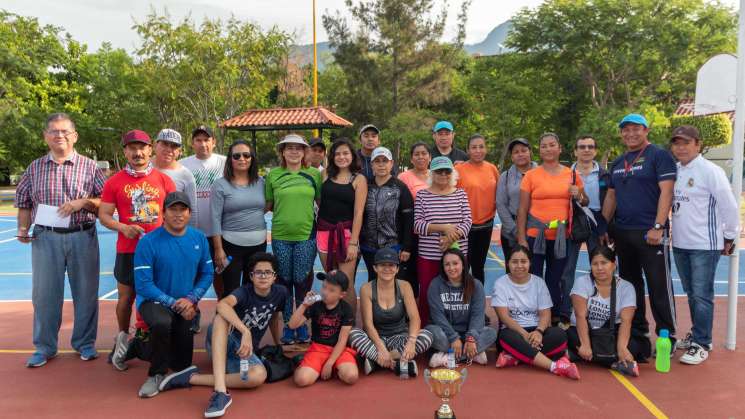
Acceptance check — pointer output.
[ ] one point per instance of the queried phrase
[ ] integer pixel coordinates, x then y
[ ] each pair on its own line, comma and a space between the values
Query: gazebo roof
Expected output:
286, 119
687, 106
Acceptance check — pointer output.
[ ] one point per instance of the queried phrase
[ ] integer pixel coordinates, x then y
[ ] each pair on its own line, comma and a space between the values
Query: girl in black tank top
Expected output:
340, 212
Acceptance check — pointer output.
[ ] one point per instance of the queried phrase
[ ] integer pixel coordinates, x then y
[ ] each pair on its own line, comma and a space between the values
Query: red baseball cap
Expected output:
136, 136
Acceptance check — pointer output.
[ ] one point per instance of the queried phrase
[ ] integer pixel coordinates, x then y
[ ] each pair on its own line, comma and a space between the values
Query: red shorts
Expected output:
318, 354
322, 240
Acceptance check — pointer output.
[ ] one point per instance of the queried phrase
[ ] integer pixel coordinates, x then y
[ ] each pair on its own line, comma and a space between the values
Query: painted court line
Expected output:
495, 257
654, 410
108, 294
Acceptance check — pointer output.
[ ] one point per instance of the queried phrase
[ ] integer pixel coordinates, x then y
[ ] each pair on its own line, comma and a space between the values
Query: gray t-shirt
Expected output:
237, 208
598, 308
184, 180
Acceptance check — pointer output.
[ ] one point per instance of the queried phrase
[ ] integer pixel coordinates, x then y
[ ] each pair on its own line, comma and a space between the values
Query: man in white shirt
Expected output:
705, 223
206, 167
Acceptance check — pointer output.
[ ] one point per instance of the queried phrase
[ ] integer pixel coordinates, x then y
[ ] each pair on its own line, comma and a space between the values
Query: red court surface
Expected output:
68, 387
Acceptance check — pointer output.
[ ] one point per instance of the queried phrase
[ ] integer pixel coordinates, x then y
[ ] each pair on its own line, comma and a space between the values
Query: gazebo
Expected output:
285, 119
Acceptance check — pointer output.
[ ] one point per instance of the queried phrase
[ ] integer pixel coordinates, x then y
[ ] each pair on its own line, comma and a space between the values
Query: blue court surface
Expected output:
15, 268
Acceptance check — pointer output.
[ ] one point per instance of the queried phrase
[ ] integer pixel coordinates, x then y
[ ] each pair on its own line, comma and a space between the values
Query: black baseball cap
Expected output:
174, 198
516, 141
201, 129
335, 277
317, 142
386, 255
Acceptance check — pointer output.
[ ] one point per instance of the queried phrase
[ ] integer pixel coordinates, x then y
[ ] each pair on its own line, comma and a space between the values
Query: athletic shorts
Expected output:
124, 269
318, 354
322, 240
232, 360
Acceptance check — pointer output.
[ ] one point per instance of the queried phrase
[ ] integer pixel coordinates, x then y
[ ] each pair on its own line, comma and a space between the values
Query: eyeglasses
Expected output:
237, 156
262, 274
586, 147
62, 132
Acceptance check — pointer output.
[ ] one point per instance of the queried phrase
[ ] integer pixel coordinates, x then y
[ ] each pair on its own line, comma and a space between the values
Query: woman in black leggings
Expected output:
523, 305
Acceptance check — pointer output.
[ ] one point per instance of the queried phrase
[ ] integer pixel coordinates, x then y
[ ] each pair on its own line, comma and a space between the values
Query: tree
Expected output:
395, 60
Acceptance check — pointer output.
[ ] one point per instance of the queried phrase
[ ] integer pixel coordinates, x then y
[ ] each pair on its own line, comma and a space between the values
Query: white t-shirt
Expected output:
184, 181
205, 173
524, 301
598, 308
704, 207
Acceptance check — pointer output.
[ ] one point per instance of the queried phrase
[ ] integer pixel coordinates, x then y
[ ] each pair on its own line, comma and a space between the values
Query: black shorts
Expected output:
124, 269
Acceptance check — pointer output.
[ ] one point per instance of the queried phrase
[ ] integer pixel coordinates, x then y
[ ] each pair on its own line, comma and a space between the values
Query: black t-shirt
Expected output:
327, 324
454, 155
255, 311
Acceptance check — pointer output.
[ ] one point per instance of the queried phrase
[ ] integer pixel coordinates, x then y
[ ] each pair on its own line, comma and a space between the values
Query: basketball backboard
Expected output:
715, 85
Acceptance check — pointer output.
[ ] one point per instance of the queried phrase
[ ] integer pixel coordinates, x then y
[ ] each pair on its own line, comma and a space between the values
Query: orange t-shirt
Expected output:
549, 196
480, 183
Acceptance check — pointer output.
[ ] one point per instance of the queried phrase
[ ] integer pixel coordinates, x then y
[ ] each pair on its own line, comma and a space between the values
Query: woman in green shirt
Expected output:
291, 191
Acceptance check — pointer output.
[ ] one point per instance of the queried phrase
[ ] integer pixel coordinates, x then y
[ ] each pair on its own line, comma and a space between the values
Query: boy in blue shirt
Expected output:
173, 270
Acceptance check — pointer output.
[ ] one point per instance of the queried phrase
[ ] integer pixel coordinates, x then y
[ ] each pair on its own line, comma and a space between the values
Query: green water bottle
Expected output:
664, 346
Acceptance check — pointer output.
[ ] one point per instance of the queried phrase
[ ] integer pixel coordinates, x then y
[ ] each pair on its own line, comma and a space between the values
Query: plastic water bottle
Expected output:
451, 359
664, 346
244, 369
219, 271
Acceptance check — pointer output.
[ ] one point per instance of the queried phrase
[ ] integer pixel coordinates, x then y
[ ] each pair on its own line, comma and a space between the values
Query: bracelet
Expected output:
412, 337
354, 244
539, 330
470, 339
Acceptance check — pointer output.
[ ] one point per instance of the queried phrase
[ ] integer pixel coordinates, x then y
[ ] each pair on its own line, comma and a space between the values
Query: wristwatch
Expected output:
657, 226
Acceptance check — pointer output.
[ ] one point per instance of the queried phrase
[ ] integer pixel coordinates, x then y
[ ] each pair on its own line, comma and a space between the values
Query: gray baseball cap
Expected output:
169, 135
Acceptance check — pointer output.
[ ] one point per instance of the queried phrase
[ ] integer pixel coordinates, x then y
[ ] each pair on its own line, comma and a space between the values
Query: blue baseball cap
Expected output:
443, 125
633, 118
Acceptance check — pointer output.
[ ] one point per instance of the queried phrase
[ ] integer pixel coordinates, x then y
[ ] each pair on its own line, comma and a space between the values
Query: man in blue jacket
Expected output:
173, 270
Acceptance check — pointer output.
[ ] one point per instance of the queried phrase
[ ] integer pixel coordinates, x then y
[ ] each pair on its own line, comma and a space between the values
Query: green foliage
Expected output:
715, 130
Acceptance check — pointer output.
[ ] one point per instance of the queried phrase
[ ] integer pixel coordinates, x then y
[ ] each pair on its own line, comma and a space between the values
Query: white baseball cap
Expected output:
381, 151
292, 139
169, 135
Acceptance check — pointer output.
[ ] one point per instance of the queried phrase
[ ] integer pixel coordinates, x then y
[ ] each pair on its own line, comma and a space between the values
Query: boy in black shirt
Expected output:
331, 319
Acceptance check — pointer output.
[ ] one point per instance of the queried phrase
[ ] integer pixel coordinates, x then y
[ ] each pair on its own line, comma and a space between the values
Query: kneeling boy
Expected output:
331, 319
241, 321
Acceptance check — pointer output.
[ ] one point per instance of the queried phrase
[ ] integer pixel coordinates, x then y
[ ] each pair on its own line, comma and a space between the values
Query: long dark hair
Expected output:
608, 254
333, 170
253, 168
465, 277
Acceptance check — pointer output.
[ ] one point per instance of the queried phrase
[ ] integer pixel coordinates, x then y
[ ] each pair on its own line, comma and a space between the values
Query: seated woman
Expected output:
456, 310
242, 319
591, 296
523, 304
392, 334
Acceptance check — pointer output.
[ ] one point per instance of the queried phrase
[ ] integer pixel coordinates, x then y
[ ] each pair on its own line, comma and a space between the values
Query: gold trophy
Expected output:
445, 383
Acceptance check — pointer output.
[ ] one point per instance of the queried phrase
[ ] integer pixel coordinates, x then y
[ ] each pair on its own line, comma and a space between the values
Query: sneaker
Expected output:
413, 369
150, 387
288, 336
121, 343
88, 353
695, 355
506, 360
685, 343
439, 359
178, 379
565, 368
37, 360
301, 334
369, 366
626, 368
219, 403
196, 327
480, 358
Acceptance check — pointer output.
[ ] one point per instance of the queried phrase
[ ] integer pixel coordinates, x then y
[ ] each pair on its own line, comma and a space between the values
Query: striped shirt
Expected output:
48, 182
430, 208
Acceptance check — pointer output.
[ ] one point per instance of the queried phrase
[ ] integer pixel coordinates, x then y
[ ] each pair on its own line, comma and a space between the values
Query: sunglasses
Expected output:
586, 147
443, 171
237, 156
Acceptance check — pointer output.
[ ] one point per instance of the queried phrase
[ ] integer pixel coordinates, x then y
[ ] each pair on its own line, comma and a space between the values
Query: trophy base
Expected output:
449, 415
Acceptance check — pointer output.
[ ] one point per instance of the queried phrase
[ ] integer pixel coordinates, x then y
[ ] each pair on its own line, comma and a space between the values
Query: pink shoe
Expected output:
506, 360
439, 359
565, 368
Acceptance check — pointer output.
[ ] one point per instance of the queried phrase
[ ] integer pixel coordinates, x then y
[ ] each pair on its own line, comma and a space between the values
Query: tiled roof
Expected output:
287, 118
686, 107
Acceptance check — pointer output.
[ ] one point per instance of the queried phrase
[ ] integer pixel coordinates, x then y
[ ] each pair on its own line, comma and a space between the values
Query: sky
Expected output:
96, 21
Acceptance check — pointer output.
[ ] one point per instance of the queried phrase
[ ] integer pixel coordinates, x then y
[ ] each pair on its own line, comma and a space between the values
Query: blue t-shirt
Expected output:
169, 267
637, 188
255, 311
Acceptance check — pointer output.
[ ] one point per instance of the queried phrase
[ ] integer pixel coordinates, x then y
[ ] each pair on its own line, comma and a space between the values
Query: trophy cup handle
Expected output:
463, 375
427, 376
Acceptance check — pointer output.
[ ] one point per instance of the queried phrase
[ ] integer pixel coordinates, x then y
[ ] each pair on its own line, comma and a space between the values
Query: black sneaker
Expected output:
196, 327
369, 366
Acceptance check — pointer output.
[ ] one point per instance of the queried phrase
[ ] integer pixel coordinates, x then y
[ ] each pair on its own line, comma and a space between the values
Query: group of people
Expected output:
424, 235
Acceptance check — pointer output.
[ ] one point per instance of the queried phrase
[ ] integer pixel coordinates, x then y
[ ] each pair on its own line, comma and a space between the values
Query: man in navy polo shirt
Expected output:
638, 202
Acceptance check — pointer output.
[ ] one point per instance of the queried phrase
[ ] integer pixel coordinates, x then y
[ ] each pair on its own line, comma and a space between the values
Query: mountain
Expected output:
491, 45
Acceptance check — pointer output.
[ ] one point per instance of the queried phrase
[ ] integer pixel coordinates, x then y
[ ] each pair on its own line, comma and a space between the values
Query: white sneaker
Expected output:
439, 359
480, 358
695, 355
121, 344
685, 343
